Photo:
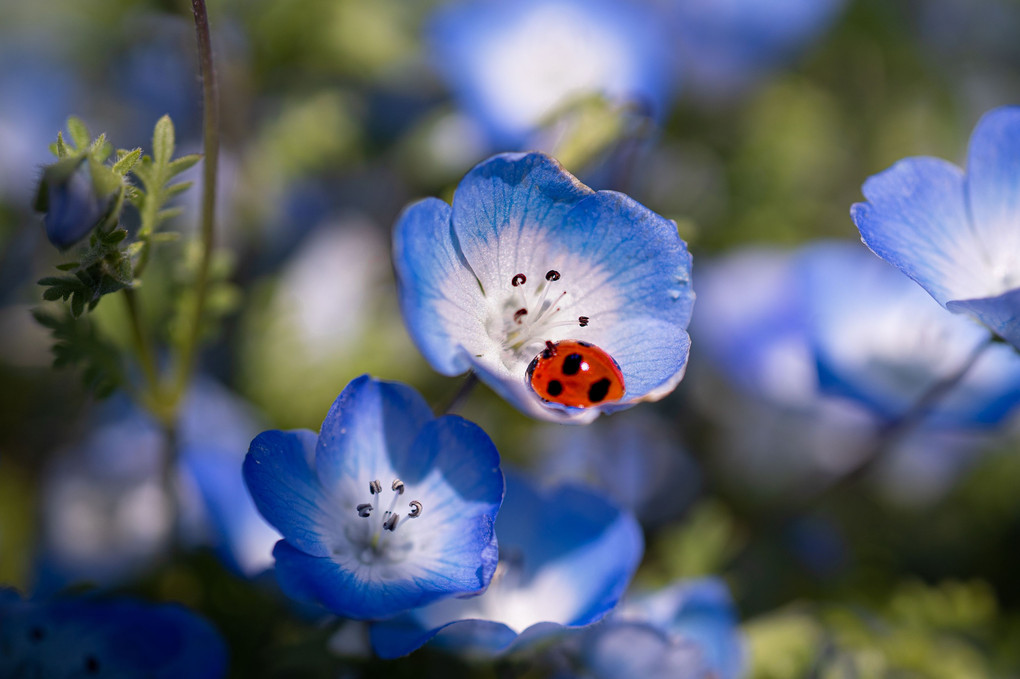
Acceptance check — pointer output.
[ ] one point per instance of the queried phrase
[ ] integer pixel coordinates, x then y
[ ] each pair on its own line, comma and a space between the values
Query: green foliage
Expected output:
155, 173
76, 343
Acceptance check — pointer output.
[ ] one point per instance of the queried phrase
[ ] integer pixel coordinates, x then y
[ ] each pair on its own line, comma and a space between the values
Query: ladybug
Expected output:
576, 374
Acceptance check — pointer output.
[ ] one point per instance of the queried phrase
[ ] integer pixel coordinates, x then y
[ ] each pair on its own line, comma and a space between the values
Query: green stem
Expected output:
146, 356
466, 387
211, 132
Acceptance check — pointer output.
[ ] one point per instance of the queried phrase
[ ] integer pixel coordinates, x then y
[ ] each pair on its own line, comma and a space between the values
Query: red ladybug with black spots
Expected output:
575, 373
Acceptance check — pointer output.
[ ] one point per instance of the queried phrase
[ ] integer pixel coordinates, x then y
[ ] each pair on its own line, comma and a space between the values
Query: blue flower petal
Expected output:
1000, 313
368, 433
349, 593
993, 189
281, 479
632, 252
569, 556
916, 219
503, 210
439, 296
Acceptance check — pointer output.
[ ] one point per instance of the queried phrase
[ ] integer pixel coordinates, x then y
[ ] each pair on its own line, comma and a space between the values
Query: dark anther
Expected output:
391, 523
415, 509
583, 321
519, 314
397, 487
375, 487
555, 387
364, 509
518, 279
92, 664
552, 275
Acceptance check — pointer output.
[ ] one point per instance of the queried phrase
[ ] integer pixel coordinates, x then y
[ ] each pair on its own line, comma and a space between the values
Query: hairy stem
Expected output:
211, 133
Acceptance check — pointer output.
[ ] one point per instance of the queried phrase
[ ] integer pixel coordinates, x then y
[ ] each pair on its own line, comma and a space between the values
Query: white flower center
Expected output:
373, 535
533, 307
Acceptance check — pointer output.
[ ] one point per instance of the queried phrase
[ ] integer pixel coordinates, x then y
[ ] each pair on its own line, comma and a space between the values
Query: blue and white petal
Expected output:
440, 299
993, 196
916, 219
279, 470
566, 556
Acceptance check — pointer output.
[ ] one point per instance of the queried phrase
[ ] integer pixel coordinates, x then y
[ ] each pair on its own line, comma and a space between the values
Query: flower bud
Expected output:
72, 199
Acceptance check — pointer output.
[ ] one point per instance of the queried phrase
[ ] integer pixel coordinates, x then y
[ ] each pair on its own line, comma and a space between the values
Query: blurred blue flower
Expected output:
881, 341
687, 630
566, 556
786, 346
723, 46
105, 514
956, 234
527, 255
633, 457
117, 638
386, 509
514, 64
36, 96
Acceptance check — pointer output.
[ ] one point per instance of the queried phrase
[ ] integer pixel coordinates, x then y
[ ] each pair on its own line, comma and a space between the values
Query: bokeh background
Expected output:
751, 123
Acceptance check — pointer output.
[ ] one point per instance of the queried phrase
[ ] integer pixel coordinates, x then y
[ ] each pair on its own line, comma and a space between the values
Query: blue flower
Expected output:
566, 556
514, 64
117, 638
831, 319
725, 45
104, 506
956, 234
880, 340
386, 509
527, 255
685, 631
634, 457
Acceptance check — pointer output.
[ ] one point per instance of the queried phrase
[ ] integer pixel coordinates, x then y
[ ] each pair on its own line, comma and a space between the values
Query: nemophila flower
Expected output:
116, 638
529, 256
783, 344
723, 46
879, 339
957, 234
633, 457
565, 556
690, 628
386, 509
514, 64
105, 512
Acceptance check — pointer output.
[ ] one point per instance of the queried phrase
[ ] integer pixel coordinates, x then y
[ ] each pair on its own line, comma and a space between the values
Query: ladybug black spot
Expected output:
555, 387
598, 390
572, 364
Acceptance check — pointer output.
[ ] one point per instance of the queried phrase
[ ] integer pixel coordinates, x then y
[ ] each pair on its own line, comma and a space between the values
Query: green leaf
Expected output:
106, 181
175, 189
67, 266
163, 141
79, 133
61, 151
183, 163
126, 160
169, 213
